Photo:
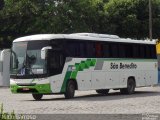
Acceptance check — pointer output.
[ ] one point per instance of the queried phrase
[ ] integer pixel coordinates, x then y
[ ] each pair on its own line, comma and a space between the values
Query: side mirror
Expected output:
44, 51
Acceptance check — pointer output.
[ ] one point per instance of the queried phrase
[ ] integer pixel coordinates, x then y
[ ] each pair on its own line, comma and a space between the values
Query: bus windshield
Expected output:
26, 58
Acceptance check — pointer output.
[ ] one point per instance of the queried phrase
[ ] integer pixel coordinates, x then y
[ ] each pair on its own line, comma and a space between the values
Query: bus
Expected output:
62, 63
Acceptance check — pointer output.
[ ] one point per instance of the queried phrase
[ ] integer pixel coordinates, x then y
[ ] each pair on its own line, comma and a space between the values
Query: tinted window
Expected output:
121, 51
153, 51
106, 50
73, 48
98, 49
129, 50
142, 51
136, 51
114, 50
148, 51
92, 49
34, 45
82, 49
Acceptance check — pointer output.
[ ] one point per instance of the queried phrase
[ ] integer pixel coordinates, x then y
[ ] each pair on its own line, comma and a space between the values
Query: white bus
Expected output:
63, 63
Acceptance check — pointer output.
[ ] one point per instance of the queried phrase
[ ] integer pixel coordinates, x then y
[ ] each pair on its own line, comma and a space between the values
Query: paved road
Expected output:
145, 100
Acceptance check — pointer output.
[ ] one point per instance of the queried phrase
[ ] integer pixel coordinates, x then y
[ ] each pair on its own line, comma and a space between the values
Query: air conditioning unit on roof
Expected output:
97, 35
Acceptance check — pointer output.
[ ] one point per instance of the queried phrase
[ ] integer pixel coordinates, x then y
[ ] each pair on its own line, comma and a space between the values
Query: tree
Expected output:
130, 18
126, 18
24, 17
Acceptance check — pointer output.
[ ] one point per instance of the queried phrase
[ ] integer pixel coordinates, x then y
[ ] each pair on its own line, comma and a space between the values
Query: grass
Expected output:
5, 115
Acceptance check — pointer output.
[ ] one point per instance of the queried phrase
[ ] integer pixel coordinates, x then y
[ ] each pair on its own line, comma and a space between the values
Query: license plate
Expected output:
25, 89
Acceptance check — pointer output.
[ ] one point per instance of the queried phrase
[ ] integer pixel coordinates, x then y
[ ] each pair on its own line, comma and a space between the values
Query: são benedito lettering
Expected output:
123, 66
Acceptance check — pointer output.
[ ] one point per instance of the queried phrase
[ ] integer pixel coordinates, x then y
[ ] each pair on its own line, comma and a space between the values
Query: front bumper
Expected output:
37, 88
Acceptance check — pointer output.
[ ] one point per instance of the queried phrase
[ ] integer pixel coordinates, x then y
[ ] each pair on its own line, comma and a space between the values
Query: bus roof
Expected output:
83, 36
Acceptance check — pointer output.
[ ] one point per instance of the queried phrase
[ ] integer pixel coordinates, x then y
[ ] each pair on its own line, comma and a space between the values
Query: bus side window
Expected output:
98, 49
148, 51
106, 51
90, 50
142, 51
153, 51
129, 50
121, 50
81, 50
114, 50
136, 51
73, 49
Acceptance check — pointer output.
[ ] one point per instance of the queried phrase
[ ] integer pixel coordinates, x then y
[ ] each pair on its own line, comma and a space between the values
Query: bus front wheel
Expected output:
37, 96
70, 90
130, 87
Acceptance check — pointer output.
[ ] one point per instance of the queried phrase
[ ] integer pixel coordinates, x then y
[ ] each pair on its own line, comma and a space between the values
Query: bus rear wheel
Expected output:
37, 96
130, 87
103, 91
70, 90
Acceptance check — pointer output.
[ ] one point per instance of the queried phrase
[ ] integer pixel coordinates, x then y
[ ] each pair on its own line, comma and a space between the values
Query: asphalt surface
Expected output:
145, 101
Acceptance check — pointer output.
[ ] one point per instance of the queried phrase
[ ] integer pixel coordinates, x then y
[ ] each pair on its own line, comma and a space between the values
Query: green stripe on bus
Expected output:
67, 76
78, 67
74, 74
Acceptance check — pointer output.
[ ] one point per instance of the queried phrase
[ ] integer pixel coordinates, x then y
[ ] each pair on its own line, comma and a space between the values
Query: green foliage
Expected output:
131, 17
126, 18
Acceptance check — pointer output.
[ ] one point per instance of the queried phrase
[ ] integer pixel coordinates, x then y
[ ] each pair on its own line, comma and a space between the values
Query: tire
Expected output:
130, 87
123, 91
37, 96
70, 90
103, 91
